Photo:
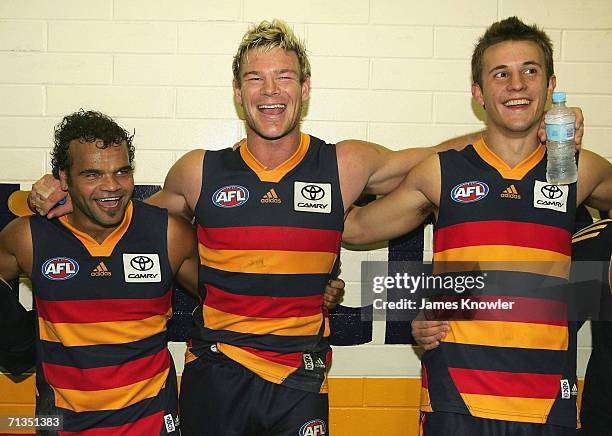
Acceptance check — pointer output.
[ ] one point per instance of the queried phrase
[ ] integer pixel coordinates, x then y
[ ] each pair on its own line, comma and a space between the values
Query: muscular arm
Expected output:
399, 212
16, 249
182, 186
594, 181
183, 252
373, 169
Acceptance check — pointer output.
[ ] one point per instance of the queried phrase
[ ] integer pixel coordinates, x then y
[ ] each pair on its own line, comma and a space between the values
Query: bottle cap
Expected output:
558, 97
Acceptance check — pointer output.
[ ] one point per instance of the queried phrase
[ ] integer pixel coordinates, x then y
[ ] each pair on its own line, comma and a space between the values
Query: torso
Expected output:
102, 358
519, 364
269, 240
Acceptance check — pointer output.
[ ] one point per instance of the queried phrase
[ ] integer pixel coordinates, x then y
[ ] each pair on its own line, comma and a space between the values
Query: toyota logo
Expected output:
141, 263
313, 192
551, 191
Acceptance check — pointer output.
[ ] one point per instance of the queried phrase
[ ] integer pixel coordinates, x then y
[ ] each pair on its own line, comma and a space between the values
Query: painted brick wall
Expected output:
390, 71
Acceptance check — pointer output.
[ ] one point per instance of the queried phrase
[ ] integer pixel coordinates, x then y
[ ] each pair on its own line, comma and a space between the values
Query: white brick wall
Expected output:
391, 71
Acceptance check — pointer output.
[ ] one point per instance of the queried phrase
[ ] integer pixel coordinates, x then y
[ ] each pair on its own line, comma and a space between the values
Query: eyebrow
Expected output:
501, 67
96, 171
282, 71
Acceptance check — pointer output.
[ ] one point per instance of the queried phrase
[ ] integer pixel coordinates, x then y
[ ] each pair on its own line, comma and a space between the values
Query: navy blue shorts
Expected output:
220, 397
457, 424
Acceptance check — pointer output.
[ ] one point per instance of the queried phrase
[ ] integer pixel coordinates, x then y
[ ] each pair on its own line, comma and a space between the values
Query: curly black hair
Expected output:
88, 126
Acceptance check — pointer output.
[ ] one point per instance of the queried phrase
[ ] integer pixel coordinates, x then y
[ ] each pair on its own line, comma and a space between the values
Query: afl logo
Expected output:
60, 268
313, 428
230, 196
468, 192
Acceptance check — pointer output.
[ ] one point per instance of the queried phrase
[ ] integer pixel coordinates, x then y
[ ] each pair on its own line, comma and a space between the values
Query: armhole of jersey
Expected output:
337, 181
196, 206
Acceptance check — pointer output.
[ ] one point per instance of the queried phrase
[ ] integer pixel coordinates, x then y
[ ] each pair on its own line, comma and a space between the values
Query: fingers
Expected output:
428, 334
579, 133
542, 131
62, 208
45, 194
337, 284
334, 292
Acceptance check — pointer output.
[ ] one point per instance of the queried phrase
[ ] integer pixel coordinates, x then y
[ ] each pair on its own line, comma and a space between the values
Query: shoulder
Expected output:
589, 161
191, 161
16, 236
20, 225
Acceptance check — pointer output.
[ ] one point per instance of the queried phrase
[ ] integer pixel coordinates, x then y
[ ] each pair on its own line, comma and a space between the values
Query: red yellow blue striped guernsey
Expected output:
102, 356
268, 242
518, 364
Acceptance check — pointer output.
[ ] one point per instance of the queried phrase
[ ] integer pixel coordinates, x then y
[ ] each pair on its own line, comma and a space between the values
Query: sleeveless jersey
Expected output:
268, 241
514, 361
102, 358
593, 253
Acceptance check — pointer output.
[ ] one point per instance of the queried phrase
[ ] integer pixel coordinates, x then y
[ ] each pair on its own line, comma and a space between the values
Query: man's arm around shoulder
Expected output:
182, 186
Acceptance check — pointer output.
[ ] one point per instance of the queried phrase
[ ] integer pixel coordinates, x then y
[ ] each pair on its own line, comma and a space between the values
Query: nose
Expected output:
516, 82
110, 183
270, 86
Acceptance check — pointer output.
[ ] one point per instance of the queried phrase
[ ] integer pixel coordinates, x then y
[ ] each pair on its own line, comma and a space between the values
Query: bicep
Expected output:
15, 249
595, 181
182, 186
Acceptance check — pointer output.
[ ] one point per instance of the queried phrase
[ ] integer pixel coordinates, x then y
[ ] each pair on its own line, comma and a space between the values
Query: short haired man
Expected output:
492, 375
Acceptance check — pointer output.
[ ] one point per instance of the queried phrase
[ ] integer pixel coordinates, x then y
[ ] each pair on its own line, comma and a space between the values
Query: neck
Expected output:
273, 152
97, 232
512, 148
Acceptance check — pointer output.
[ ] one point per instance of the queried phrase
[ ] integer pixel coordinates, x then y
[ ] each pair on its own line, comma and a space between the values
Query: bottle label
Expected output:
560, 132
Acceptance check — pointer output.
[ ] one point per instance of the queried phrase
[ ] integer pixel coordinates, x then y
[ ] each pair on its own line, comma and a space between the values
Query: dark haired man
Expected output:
101, 278
510, 373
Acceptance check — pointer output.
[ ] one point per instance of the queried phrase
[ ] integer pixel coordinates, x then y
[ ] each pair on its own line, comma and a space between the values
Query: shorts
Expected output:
457, 424
219, 397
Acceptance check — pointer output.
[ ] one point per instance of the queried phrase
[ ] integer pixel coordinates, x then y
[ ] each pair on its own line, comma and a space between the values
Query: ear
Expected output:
552, 84
237, 92
477, 94
306, 89
63, 177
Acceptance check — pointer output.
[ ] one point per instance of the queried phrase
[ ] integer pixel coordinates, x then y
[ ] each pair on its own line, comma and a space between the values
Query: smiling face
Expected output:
514, 87
100, 183
270, 93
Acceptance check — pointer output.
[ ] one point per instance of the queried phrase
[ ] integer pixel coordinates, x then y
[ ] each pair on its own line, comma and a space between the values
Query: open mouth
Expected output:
109, 202
272, 109
517, 103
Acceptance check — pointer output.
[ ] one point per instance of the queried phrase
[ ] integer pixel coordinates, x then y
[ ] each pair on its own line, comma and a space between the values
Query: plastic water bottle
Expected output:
560, 145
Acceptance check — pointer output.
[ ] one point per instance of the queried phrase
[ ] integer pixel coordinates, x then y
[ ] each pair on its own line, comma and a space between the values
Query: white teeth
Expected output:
109, 199
271, 106
516, 102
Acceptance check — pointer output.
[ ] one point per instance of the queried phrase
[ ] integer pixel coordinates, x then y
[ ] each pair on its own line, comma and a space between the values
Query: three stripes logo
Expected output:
510, 192
101, 271
271, 197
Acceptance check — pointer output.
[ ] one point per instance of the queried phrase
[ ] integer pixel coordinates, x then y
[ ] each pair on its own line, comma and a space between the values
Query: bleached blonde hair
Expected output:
267, 36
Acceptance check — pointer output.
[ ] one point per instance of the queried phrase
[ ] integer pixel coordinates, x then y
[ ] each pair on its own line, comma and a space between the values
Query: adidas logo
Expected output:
510, 192
271, 197
101, 271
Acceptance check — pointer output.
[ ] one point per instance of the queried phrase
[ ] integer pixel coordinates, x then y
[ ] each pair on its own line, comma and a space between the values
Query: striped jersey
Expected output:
510, 354
102, 357
268, 241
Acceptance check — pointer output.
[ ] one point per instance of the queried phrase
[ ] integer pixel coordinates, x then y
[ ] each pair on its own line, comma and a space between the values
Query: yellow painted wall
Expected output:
358, 406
